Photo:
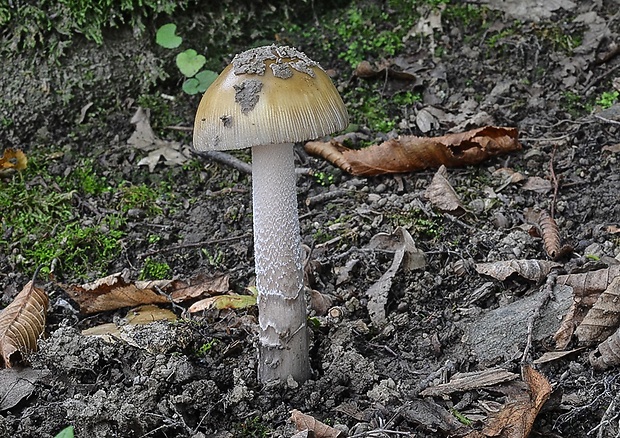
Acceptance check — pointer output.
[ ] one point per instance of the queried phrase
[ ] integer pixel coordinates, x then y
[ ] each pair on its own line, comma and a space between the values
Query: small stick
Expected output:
194, 245
548, 288
227, 159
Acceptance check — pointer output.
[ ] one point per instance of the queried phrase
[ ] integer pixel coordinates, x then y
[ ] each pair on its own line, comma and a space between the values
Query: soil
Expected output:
440, 320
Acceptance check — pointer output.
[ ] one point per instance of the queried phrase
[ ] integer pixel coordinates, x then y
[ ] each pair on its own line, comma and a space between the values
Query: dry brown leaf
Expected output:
587, 288
607, 354
409, 153
116, 291
516, 418
552, 356
588, 283
13, 159
21, 324
536, 270
307, 422
319, 302
461, 382
442, 195
603, 318
550, 235
366, 70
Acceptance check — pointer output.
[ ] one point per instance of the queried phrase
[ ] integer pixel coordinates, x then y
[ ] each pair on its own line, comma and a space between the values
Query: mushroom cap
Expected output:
268, 95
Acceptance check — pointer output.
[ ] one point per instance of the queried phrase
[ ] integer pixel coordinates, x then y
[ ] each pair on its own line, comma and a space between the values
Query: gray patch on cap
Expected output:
253, 61
247, 94
282, 71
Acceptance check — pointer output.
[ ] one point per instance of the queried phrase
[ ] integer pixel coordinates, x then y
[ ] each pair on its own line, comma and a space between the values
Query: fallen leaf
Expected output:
537, 184
552, 356
442, 195
138, 316
17, 385
21, 323
402, 244
319, 302
409, 153
603, 318
614, 149
116, 291
535, 270
461, 382
607, 354
228, 301
586, 289
143, 138
170, 153
12, 160
516, 418
432, 416
307, 422
366, 70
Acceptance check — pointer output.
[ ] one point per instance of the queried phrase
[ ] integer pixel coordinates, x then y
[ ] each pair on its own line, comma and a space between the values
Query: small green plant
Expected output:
141, 197
406, 98
205, 348
189, 62
154, 270
213, 259
324, 178
67, 432
607, 99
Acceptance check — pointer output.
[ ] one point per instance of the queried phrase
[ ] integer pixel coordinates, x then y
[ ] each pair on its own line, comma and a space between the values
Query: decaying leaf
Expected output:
550, 235
469, 381
143, 138
432, 416
607, 354
319, 302
366, 70
17, 384
537, 184
586, 288
21, 323
13, 159
590, 282
227, 301
442, 195
116, 291
409, 153
138, 316
603, 318
401, 242
307, 422
536, 270
516, 418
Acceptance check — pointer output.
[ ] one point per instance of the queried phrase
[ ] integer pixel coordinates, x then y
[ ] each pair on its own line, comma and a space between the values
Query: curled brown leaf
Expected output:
21, 323
410, 153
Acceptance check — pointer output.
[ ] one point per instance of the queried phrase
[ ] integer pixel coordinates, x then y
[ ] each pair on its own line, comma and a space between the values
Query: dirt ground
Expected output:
443, 319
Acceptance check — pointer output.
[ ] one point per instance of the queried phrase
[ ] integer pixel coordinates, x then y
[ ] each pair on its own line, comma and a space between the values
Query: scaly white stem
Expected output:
283, 337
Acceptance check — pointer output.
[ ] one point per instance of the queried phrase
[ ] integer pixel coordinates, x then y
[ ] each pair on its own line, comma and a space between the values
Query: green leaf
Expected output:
190, 62
190, 86
67, 432
167, 38
206, 78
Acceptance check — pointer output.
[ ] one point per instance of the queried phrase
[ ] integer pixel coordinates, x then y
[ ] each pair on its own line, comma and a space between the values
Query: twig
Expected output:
548, 289
227, 159
327, 196
194, 245
554, 181
604, 119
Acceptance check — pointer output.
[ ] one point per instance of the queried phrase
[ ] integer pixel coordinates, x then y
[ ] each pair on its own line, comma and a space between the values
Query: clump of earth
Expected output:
366, 378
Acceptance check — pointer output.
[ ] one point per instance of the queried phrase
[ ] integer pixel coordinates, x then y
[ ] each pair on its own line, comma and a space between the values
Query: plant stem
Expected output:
283, 337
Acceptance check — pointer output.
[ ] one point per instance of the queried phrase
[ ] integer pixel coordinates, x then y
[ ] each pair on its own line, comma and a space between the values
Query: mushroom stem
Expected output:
283, 337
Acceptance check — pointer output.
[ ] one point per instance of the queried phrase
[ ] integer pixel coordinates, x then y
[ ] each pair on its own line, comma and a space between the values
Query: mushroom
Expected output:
269, 98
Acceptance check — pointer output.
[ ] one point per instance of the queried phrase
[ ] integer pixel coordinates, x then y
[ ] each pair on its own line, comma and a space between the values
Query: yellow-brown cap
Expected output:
268, 95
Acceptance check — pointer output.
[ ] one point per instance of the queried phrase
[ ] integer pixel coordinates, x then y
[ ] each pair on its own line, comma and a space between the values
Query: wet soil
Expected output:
366, 378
